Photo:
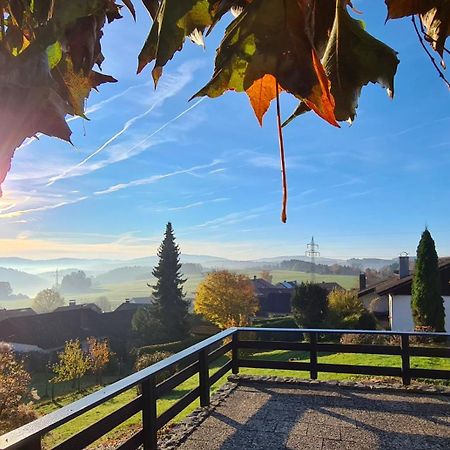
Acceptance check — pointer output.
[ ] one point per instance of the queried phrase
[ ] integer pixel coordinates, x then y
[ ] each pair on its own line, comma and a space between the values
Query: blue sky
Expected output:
147, 157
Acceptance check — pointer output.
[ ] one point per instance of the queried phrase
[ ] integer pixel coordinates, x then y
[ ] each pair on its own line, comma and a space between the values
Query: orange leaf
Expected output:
321, 100
261, 93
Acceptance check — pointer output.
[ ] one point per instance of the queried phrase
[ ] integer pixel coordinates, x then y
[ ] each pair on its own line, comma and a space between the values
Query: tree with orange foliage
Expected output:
226, 299
99, 355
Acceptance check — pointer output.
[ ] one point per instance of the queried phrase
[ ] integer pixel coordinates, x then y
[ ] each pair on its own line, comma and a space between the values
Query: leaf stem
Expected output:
433, 61
282, 156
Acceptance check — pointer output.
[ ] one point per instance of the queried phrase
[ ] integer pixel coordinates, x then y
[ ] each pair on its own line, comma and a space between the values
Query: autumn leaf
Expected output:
174, 21
435, 16
261, 93
352, 59
267, 39
83, 42
437, 26
404, 8
220, 7
30, 104
76, 86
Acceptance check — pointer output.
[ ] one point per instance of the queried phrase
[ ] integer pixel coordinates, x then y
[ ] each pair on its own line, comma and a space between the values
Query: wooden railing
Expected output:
197, 360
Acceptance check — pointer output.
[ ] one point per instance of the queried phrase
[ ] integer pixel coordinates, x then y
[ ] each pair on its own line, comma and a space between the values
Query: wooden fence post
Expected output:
149, 414
34, 444
235, 353
203, 375
406, 376
313, 354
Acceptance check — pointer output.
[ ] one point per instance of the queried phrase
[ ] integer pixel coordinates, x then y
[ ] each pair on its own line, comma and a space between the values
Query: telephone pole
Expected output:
312, 251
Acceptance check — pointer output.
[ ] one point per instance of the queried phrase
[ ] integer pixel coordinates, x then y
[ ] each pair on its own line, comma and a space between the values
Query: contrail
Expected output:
127, 125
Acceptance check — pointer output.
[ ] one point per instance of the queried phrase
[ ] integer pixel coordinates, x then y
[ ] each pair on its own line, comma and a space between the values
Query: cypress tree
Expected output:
170, 308
427, 304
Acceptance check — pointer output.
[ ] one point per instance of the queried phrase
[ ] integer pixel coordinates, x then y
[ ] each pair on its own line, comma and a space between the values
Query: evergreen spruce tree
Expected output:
426, 302
170, 308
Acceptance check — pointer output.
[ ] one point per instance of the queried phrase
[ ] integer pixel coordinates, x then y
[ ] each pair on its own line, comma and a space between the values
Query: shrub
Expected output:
171, 347
145, 361
368, 339
346, 311
278, 322
309, 305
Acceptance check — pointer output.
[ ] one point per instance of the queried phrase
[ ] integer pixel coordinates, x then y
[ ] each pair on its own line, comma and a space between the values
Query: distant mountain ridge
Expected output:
29, 276
101, 265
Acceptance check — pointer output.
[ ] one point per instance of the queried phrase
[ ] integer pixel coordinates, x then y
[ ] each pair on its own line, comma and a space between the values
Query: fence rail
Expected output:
29, 437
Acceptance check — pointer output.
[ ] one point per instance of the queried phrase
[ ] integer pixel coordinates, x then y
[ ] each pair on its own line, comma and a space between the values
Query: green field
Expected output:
133, 423
117, 293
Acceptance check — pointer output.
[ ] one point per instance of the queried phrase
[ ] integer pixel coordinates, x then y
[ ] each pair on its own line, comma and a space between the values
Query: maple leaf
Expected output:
75, 86
404, 8
434, 14
267, 39
175, 20
352, 59
83, 42
30, 104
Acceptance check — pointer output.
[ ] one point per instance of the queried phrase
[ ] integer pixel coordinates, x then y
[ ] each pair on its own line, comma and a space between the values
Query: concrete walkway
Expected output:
268, 416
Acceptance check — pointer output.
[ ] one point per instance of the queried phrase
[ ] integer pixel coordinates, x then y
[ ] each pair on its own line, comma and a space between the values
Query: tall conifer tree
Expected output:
426, 302
170, 308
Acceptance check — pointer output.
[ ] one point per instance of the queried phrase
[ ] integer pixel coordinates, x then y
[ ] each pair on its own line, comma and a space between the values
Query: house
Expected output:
396, 295
273, 300
134, 303
7, 313
50, 331
73, 305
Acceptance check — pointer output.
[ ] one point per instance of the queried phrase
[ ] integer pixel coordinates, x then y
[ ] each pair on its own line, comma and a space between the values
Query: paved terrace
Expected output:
270, 415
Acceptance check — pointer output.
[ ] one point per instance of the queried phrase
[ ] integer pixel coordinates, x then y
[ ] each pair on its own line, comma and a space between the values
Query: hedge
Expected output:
171, 347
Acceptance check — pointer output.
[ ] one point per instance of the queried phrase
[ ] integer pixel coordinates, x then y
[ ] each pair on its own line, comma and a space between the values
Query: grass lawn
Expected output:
133, 423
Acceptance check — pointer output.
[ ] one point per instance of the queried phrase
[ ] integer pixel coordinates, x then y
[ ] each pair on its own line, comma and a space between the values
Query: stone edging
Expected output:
172, 436
414, 388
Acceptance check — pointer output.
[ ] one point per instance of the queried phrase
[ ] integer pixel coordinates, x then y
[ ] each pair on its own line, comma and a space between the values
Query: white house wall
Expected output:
400, 313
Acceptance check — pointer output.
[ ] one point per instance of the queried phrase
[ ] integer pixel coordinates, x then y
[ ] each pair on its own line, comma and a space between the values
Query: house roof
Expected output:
7, 313
69, 307
52, 330
402, 286
261, 283
287, 284
330, 285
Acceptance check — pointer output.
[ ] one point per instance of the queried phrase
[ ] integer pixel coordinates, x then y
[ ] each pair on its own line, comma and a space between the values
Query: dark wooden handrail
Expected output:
199, 357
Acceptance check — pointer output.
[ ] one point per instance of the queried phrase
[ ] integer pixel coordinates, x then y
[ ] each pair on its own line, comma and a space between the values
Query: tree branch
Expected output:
433, 61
